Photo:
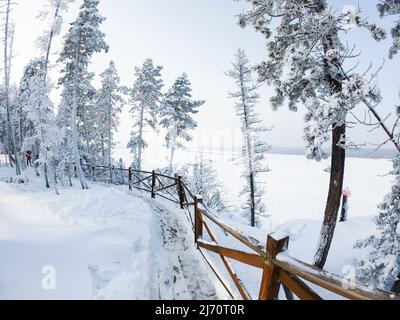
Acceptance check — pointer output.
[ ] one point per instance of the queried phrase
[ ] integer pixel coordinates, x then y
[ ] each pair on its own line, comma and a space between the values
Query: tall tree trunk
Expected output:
74, 126
171, 158
334, 196
109, 142
103, 150
250, 154
51, 36
140, 145
338, 160
10, 126
252, 200
86, 133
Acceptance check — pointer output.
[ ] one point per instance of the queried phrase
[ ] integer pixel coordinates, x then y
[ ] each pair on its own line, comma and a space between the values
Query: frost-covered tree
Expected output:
83, 39
253, 150
390, 8
7, 41
203, 181
381, 266
306, 65
108, 104
37, 106
177, 110
145, 97
87, 114
52, 13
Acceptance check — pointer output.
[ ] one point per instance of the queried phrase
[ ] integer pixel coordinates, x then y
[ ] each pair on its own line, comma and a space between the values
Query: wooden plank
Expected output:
188, 191
198, 219
238, 283
217, 275
330, 281
298, 287
239, 236
165, 188
270, 282
164, 176
250, 259
153, 184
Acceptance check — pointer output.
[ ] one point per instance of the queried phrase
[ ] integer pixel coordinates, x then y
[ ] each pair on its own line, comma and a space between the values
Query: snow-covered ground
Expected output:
106, 243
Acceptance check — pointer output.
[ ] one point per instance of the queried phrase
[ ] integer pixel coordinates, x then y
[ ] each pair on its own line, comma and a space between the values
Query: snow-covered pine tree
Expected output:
7, 40
305, 64
35, 102
253, 151
177, 110
53, 15
203, 181
390, 8
381, 266
145, 97
108, 103
83, 39
66, 150
87, 113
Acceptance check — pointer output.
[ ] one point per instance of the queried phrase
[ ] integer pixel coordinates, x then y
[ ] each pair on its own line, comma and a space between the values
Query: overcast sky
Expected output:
200, 37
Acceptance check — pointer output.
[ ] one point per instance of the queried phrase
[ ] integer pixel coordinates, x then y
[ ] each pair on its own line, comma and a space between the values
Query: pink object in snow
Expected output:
346, 192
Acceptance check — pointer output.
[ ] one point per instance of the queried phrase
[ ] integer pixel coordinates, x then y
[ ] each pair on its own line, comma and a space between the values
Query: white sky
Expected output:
200, 37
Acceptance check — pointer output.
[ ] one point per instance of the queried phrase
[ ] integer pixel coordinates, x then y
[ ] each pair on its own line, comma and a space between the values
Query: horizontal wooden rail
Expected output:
298, 287
250, 259
329, 281
236, 234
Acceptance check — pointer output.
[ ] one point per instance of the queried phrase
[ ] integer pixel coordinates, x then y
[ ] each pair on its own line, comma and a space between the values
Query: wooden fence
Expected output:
278, 268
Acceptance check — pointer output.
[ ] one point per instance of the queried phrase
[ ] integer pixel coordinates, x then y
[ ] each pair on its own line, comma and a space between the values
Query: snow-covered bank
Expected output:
88, 237
104, 243
108, 243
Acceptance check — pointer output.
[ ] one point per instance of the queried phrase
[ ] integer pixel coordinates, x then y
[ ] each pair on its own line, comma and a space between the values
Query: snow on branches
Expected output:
254, 149
390, 8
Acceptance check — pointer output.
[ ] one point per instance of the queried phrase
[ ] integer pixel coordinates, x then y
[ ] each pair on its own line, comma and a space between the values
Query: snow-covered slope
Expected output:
104, 243
109, 243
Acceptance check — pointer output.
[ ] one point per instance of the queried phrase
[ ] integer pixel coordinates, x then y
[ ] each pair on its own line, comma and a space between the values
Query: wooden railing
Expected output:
278, 268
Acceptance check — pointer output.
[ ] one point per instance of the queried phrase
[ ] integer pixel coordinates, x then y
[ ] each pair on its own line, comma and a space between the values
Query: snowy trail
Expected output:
181, 272
105, 243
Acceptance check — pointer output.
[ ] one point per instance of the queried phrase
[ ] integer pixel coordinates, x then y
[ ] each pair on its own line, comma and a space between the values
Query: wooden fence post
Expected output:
181, 192
153, 184
270, 283
198, 218
130, 179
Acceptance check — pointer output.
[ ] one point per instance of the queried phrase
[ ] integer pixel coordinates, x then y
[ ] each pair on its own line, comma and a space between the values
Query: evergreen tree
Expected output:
37, 106
83, 39
8, 40
177, 109
306, 63
253, 151
203, 181
145, 97
390, 8
108, 103
52, 14
381, 266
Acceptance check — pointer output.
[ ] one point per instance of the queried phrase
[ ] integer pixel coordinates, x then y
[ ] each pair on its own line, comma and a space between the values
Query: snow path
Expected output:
105, 243
185, 276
